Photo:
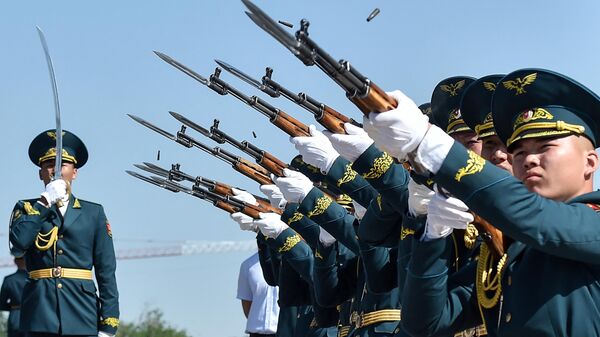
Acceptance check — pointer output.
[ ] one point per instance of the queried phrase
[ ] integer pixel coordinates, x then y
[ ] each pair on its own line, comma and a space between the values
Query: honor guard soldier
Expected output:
64, 238
10, 294
548, 281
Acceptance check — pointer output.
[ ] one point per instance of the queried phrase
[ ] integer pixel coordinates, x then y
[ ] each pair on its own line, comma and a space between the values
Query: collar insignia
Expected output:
519, 83
453, 89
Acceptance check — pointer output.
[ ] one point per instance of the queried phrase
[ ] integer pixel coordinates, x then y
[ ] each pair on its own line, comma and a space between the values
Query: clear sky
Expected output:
105, 67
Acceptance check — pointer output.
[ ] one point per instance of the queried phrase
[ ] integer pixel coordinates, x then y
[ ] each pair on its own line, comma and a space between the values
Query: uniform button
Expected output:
60, 236
396, 330
509, 280
59, 286
298, 316
508, 317
60, 251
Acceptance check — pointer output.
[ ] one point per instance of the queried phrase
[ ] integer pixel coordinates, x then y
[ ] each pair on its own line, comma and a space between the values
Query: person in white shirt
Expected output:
259, 300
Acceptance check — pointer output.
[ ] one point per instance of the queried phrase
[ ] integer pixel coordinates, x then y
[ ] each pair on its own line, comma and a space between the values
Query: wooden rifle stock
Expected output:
263, 204
225, 206
254, 172
290, 125
375, 101
273, 164
333, 120
496, 240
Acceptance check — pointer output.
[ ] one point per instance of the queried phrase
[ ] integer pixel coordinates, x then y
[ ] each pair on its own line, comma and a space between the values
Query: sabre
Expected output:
59, 144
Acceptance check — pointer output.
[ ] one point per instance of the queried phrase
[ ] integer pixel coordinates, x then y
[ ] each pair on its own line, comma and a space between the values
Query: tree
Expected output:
150, 324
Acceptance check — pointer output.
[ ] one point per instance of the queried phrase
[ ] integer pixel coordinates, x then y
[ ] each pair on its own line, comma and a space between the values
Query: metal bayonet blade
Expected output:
152, 127
268, 25
240, 74
144, 178
153, 169
182, 67
170, 185
191, 124
59, 133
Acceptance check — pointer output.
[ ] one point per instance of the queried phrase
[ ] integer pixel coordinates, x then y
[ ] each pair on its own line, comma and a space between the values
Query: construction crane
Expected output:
182, 249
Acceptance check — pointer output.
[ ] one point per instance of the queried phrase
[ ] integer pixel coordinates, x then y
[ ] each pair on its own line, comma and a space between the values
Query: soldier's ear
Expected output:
592, 161
40, 174
74, 173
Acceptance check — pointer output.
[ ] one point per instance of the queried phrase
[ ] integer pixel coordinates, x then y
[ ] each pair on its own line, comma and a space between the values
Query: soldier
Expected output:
64, 237
10, 295
549, 124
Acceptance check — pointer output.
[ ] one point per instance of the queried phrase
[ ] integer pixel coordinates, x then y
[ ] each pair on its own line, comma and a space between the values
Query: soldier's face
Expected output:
494, 150
68, 172
556, 168
469, 140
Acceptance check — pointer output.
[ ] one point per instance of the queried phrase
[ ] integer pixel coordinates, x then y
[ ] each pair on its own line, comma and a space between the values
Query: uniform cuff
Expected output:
434, 148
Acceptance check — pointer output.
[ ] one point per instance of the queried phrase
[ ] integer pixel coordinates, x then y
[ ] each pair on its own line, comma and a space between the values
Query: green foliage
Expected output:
150, 324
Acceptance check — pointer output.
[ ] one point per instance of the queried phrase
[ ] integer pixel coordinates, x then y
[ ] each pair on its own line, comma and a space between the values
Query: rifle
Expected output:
175, 174
243, 166
367, 96
225, 203
262, 157
329, 118
282, 120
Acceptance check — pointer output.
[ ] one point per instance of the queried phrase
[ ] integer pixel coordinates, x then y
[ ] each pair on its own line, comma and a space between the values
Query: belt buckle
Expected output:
57, 272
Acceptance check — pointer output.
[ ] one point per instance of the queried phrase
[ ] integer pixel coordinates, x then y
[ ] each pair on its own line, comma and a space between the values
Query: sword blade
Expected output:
182, 67
59, 145
152, 127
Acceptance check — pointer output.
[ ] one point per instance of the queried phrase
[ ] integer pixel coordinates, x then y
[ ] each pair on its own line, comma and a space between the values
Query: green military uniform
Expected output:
60, 297
548, 282
10, 300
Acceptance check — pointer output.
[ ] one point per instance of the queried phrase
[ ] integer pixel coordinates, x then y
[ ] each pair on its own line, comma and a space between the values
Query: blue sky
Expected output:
105, 68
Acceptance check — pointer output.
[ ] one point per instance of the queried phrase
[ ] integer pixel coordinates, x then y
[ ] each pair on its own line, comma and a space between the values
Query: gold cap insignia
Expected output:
454, 115
489, 86
531, 115
52, 134
453, 89
488, 118
519, 84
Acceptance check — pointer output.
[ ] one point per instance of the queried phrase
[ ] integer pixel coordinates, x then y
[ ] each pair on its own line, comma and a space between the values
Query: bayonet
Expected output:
331, 119
367, 96
247, 168
285, 122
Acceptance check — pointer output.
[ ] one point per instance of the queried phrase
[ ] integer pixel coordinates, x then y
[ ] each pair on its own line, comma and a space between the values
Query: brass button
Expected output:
396, 330
59, 286
61, 236
509, 280
508, 317
60, 251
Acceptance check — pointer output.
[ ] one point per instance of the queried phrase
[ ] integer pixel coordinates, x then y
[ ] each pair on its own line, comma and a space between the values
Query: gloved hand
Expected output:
274, 194
352, 145
294, 186
245, 222
398, 131
244, 196
105, 334
325, 238
56, 190
359, 211
316, 150
419, 197
445, 214
270, 224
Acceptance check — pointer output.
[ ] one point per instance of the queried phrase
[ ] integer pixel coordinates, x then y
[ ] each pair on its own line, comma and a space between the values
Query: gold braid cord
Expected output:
289, 243
321, 206
487, 281
110, 321
380, 166
349, 175
470, 237
44, 241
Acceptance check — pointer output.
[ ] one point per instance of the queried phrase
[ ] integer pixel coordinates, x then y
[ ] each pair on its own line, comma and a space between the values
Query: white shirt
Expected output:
252, 286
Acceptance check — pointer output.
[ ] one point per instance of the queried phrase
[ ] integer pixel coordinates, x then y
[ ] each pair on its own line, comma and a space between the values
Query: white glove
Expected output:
325, 238
359, 211
418, 198
398, 131
56, 190
245, 222
244, 196
270, 224
295, 186
316, 150
445, 214
352, 145
105, 334
274, 194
